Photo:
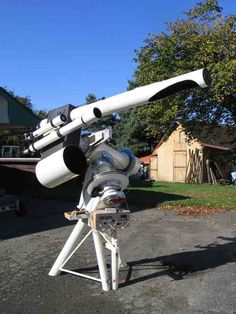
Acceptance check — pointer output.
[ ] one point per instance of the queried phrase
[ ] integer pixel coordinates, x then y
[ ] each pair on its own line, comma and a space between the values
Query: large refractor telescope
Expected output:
67, 153
87, 114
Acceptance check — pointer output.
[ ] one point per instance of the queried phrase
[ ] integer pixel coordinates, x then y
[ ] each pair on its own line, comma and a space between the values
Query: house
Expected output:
196, 160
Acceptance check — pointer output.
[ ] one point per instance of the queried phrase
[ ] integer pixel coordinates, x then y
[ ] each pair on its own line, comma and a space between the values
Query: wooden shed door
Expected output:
153, 170
179, 166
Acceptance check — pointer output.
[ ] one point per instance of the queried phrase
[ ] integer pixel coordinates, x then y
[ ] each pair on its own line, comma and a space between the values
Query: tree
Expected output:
41, 114
90, 98
204, 38
126, 128
128, 131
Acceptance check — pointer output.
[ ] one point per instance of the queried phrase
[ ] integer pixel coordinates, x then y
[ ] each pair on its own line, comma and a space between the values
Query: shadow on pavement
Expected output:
41, 215
181, 265
139, 199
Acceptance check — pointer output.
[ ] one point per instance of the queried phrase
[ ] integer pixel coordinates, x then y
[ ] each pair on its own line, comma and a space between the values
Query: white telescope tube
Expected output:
42, 123
149, 93
61, 166
139, 96
59, 120
83, 113
89, 116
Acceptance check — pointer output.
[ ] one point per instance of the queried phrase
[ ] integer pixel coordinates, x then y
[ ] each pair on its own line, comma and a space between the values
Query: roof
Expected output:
13, 114
215, 146
146, 159
218, 137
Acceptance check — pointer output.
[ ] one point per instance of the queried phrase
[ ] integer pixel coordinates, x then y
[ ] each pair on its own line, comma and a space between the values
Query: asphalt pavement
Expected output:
174, 264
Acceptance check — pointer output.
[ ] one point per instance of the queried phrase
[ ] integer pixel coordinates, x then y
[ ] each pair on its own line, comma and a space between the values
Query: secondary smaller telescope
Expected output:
67, 152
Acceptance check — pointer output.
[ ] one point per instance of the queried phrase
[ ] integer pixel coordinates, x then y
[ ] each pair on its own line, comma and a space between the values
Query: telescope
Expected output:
67, 152
87, 114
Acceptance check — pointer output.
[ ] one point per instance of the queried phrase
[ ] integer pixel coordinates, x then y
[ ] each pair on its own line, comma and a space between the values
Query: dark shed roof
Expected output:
13, 114
218, 136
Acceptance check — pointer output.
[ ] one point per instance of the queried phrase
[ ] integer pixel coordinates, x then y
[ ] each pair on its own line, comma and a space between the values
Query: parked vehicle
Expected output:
10, 151
10, 202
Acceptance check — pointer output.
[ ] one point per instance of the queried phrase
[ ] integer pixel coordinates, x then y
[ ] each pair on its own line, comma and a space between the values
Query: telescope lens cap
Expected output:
75, 159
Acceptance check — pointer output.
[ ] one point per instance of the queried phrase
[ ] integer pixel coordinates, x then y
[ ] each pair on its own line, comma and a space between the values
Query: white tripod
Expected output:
100, 208
99, 238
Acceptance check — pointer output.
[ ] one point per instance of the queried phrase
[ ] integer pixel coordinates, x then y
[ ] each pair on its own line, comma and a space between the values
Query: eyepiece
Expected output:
97, 113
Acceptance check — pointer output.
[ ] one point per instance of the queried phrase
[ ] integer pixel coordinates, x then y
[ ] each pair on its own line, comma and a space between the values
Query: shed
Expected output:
15, 173
181, 159
14, 115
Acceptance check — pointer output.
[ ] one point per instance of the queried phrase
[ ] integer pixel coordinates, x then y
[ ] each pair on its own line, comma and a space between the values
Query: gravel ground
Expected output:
175, 264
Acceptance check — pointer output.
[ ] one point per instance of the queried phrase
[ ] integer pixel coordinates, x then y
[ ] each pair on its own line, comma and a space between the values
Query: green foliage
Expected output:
11, 137
127, 129
90, 98
129, 133
205, 38
42, 113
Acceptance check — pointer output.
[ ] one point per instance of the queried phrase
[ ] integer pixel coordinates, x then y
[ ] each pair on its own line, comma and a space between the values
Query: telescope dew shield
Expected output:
152, 92
197, 78
86, 114
57, 121
61, 166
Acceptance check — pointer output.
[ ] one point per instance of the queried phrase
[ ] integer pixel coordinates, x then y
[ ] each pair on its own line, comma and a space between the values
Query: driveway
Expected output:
175, 264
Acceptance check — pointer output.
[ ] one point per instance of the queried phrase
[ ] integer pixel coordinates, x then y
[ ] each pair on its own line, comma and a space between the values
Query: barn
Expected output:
197, 159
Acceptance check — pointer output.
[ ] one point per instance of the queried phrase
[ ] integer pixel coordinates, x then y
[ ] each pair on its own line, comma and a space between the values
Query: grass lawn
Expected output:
158, 194
164, 194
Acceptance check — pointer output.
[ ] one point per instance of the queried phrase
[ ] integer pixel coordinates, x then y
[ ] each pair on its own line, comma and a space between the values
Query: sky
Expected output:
58, 51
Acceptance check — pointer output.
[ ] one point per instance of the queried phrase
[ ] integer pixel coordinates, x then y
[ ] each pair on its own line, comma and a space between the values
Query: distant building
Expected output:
198, 160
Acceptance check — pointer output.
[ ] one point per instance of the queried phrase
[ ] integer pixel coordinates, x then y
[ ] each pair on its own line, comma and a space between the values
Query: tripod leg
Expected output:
67, 249
98, 243
115, 258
